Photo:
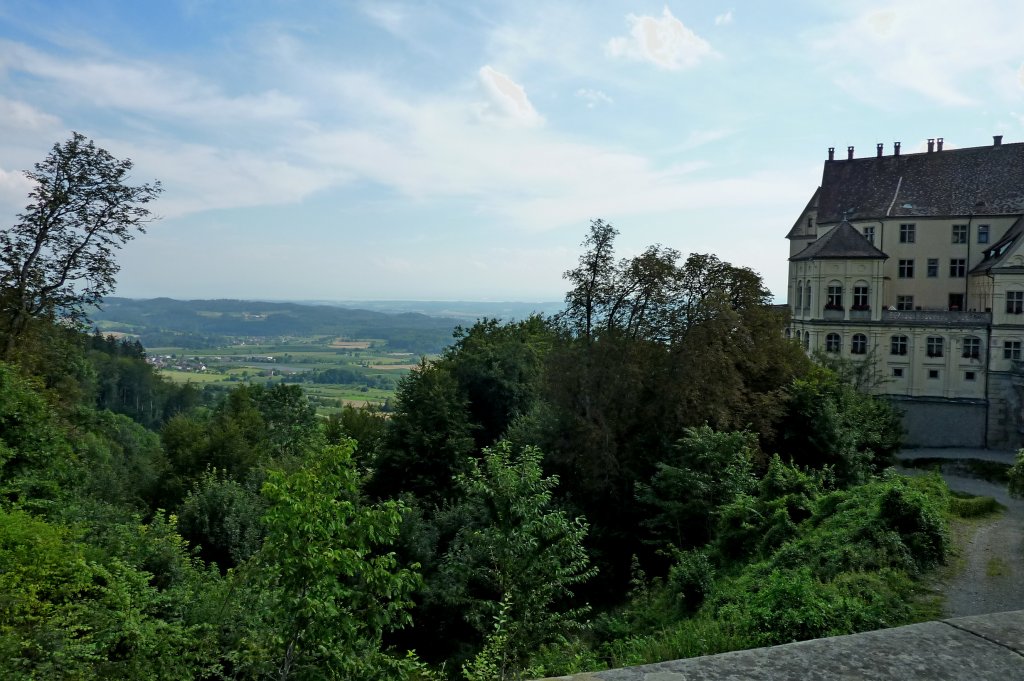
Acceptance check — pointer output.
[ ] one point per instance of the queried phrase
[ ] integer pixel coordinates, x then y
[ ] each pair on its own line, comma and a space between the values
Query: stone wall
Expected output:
936, 422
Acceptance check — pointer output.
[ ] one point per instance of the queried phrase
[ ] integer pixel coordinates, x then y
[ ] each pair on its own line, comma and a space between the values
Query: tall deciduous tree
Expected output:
58, 257
517, 556
333, 587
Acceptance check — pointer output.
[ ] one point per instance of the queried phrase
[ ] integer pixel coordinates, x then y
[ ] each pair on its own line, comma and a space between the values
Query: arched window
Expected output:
860, 296
834, 296
807, 298
799, 297
833, 343
859, 344
807, 340
789, 334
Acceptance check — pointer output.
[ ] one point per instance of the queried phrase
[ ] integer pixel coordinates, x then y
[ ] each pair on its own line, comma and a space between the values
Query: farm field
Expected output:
332, 371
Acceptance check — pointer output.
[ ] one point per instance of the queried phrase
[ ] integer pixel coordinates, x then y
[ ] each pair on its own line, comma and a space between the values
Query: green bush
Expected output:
973, 507
793, 605
690, 579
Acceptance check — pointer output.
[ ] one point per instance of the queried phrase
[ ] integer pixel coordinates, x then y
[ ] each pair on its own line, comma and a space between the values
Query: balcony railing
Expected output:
936, 317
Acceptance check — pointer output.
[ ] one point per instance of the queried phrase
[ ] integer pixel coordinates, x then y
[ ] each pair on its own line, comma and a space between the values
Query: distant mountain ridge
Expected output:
204, 323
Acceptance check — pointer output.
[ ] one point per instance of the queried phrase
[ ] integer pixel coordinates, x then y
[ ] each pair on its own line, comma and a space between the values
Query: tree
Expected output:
517, 558
332, 587
592, 281
58, 258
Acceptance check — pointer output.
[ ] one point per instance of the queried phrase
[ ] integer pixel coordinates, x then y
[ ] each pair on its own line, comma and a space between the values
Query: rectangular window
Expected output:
933, 373
869, 233
933, 267
982, 234
898, 345
1014, 302
972, 347
897, 372
906, 269
904, 302
907, 233
1011, 349
834, 299
956, 301
959, 234
860, 297
969, 375
935, 346
958, 267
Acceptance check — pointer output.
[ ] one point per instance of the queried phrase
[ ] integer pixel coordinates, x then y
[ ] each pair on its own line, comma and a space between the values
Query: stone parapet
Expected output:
978, 648
937, 317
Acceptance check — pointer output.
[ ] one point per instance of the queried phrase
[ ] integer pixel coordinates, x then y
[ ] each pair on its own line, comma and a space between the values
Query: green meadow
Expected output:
332, 371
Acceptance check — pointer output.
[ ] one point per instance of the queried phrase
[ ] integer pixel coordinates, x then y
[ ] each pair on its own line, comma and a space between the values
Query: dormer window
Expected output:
869, 233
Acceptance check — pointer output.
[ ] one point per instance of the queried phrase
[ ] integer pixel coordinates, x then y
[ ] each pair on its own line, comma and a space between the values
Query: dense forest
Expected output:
653, 473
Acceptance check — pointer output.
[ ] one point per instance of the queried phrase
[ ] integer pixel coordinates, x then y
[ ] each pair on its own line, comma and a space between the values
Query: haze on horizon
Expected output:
403, 151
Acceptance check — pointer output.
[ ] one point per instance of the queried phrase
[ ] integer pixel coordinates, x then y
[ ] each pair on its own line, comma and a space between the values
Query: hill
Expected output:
206, 323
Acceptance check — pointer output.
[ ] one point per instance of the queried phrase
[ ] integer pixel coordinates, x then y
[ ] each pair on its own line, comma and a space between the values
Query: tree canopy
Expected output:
58, 257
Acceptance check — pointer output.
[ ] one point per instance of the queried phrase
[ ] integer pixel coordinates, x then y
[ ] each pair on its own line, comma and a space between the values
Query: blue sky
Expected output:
458, 150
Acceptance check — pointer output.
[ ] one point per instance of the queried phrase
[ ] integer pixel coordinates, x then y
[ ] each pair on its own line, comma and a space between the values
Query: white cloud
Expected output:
882, 52
144, 87
593, 97
390, 17
508, 100
665, 42
199, 177
14, 189
18, 115
724, 19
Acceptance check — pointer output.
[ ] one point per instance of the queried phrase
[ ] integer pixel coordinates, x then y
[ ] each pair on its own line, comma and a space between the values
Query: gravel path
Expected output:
993, 576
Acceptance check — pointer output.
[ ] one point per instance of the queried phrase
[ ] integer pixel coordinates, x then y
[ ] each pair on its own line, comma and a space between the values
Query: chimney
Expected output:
895, 148
879, 148
931, 144
831, 153
849, 153
939, 143
997, 140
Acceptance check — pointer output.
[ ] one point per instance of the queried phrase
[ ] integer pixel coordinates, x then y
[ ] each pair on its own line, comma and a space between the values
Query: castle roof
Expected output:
843, 242
973, 181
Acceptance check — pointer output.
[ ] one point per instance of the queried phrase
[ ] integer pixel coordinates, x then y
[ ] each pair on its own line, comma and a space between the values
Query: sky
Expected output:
437, 150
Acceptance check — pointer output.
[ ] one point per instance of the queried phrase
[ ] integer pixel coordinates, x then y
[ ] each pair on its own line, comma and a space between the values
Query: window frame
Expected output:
861, 297
833, 342
957, 268
935, 346
908, 232
960, 234
834, 295
905, 268
983, 234
971, 347
904, 303
1015, 305
1011, 350
898, 345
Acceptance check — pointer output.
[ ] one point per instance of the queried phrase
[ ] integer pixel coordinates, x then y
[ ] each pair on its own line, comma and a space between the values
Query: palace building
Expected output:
915, 262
